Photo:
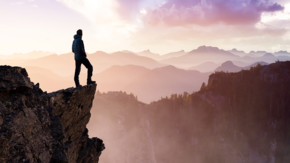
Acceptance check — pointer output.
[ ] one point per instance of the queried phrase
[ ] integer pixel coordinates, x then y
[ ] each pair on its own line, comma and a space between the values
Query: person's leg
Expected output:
88, 65
77, 72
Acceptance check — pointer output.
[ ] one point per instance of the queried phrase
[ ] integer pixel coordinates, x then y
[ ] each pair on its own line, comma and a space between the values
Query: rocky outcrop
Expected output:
40, 127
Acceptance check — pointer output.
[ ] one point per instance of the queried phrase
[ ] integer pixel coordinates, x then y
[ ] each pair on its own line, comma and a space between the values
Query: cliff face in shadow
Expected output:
40, 127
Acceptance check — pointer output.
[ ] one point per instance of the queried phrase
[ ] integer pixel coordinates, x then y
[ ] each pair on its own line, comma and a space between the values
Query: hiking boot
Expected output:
78, 86
91, 82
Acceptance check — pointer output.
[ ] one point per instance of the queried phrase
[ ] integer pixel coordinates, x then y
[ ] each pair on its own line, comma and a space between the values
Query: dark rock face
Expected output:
14, 78
40, 127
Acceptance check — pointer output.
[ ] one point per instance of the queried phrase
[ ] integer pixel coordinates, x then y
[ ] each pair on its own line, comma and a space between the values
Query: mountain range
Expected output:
205, 54
145, 77
64, 64
148, 53
198, 59
229, 66
201, 55
148, 85
205, 67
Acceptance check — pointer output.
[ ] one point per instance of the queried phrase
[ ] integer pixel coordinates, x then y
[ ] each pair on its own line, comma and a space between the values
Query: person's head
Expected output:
80, 32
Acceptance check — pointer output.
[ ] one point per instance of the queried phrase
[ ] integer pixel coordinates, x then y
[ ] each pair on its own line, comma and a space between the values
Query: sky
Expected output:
159, 25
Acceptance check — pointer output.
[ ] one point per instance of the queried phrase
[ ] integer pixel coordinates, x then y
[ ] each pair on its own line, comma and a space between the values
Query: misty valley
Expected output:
236, 117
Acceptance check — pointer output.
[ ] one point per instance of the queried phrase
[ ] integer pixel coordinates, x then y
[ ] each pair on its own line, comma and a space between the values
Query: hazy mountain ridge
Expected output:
201, 55
213, 54
205, 67
210, 49
282, 53
229, 120
130, 81
173, 54
148, 53
238, 52
257, 53
148, 84
64, 64
229, 66
164, 81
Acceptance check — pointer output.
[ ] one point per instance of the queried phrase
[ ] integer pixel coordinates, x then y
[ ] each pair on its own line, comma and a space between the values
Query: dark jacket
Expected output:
78, 48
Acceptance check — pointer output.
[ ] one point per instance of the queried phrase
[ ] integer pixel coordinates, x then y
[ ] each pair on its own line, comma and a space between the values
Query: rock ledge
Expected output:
40, 127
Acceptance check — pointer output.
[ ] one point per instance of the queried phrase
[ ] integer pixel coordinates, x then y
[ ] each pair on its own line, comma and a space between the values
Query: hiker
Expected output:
81, 58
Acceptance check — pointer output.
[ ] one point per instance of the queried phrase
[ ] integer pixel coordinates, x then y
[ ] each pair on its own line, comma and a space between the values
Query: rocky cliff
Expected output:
39, 127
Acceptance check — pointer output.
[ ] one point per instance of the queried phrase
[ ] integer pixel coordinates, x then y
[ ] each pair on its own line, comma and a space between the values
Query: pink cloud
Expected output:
185, 12
127, 9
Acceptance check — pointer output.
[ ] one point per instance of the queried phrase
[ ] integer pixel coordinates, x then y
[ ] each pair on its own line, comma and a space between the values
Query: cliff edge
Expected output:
39, 127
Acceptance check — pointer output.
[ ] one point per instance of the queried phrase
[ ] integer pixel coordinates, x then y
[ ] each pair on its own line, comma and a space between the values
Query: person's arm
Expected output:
73, 47
83, 48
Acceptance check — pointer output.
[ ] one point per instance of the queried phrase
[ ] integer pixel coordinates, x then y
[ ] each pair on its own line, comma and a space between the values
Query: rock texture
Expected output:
40, 127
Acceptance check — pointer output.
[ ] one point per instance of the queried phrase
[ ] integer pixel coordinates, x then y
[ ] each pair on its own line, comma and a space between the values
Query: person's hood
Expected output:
77, 36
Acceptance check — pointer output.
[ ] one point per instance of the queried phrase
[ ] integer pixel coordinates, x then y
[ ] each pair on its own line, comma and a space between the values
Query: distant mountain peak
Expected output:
258, 51
180, 51
148, 51
282, 52
210, 50
236, 50
207, 48
126, 51
268, 55
228, 63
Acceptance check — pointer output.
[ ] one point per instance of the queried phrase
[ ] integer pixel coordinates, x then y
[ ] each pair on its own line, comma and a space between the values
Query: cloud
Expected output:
127, 9
184, 24
108, 29
285, 15
208, 12
279, 20
104, 16
174, 12
143, 11
94, 10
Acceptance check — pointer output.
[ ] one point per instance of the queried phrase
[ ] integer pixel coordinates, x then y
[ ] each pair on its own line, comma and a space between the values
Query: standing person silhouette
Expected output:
81, 58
